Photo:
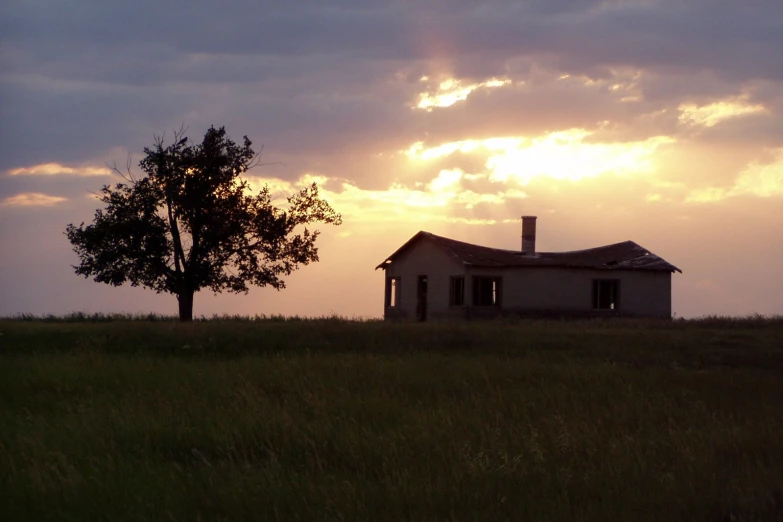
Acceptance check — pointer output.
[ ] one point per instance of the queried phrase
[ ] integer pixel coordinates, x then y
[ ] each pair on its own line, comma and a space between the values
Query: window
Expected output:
457, 291
486, 291
392, 292
421, 298
605, 294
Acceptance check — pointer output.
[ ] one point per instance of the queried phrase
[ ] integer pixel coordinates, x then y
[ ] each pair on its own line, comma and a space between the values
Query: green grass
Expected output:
123, 418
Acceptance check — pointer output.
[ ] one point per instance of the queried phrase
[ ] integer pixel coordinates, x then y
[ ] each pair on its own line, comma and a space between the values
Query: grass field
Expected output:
339, 420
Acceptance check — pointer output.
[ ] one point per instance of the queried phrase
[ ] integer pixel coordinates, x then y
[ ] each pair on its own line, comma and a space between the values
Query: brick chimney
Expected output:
529, 235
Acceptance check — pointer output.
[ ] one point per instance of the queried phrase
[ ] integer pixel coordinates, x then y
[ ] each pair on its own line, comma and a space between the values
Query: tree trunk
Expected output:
185, 299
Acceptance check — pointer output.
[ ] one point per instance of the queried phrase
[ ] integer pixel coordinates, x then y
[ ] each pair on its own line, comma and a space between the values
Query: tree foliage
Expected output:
192, 223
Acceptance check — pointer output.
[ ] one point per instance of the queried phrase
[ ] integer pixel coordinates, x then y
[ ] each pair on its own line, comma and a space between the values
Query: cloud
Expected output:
713, 113
32, 199
152, 77
606, 107
708, 195
306, 79
760, 180
54, 169
623, 82
443, 198
562, 155
451, 91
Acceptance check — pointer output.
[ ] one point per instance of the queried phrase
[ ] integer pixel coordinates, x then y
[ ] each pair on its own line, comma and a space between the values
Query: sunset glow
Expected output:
446, 190
454, 118
713, 113
54, 169
760, 180
563, 155
32, 199
452, 91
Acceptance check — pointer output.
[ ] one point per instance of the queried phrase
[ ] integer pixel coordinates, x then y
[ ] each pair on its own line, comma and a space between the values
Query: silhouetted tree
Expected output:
191, 223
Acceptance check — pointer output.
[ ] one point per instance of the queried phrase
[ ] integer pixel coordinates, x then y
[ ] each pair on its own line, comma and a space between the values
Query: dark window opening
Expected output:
486, 291
457, 291
606, 294
392, 292
421, 298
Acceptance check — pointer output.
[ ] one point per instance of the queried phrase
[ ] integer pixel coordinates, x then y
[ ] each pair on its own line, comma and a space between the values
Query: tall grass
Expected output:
338, 420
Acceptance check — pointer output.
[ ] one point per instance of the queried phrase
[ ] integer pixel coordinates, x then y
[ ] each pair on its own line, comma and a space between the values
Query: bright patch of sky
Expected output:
32, 199
761, 180
712, 114
562, 155
54, 169
452, 91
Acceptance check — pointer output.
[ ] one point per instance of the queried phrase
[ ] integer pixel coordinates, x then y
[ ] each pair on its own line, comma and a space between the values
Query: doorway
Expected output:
421, 298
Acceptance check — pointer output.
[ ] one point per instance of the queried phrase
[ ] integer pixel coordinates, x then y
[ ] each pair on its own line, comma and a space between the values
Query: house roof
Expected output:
619, 256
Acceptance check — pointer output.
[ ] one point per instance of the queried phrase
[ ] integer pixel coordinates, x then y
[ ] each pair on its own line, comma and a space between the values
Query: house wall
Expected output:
570, 291
530, 290
424, 258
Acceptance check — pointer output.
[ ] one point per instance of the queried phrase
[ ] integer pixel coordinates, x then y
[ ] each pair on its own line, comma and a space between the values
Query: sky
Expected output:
656, 121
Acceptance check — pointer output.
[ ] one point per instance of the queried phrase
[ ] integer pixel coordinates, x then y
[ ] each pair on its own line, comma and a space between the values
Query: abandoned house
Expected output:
433, 277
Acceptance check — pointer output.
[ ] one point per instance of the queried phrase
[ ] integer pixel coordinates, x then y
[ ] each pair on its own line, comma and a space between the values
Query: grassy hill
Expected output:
110, 418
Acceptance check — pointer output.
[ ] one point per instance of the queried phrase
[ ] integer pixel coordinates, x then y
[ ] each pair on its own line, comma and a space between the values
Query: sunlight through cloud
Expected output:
53, 169
443, 193
760, 180
32, 199
452, 91
563, 155
714, 113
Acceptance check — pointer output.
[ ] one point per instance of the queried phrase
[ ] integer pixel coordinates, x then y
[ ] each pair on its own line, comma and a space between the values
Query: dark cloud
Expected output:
90, 76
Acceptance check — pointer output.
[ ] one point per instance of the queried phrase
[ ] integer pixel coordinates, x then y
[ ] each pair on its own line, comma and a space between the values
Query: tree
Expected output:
191, 223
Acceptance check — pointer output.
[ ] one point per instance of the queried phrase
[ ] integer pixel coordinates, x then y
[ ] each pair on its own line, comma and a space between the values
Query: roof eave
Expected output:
405, 245
626, 264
